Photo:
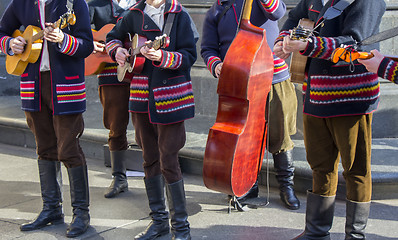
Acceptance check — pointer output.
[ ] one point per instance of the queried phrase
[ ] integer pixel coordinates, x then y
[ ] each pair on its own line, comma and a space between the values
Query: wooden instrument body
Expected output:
349, 55
298, 62
16, 64
135, 63
236, 142
96, 62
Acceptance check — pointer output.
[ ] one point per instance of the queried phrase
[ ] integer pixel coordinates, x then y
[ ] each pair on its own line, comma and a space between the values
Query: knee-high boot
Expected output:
119, 183
50, 184
357, 214
160, 218
318, 217
79, 194
283, 163
178, 213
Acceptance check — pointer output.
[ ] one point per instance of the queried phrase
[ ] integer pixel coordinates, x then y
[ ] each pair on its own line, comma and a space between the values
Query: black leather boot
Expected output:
119, 183
159, 225
50, 183
239, 202
318, 217
252, 193
283, 164
357, 214
178, 212
79, 194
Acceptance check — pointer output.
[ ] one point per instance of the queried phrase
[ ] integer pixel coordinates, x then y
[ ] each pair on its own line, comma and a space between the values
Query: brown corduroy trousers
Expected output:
348, 137
57, 136
160, 145
115, 104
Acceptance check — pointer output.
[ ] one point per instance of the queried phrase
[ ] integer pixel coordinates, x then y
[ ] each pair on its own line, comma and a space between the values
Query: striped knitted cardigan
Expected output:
217, 37
66, 61
335, 89
163, 89
388, 69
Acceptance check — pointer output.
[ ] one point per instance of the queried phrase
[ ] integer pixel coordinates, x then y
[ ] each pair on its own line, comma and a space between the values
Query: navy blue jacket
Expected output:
333, 90
66, 62
218, 33
163, 89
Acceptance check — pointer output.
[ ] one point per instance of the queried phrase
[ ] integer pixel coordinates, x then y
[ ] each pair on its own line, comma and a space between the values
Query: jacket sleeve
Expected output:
359, 21
78, 41
210, 51
115, 38
388, 69
273, 9
184, 56
8, 24
294, 16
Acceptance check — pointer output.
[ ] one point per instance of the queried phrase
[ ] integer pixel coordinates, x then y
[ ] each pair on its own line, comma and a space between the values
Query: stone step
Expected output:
14, 131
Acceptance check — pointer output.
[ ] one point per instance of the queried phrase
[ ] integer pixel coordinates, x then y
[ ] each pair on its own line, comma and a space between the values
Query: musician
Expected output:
219, 29
54, 98
161, 99
384, 67
114, 95
338, 103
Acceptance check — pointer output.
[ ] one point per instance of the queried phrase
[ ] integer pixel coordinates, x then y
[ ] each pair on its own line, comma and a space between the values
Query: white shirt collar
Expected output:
324, 2
125, 4
156, 14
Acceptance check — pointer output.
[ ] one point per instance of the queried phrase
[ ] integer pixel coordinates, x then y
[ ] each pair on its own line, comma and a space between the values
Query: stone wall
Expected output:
205, 85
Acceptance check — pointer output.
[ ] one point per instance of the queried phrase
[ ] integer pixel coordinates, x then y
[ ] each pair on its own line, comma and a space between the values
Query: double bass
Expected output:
236, 142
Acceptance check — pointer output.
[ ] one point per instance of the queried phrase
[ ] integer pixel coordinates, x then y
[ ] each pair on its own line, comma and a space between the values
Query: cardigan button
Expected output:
164, 81
146, 27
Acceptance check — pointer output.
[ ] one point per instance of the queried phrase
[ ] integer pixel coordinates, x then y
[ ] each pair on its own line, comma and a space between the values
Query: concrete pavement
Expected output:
125, 216
14, 131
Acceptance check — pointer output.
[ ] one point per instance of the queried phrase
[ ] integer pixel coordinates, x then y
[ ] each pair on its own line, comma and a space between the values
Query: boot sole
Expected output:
117, 193
285, 202
54, 222
166, 231
290, 207
76, 234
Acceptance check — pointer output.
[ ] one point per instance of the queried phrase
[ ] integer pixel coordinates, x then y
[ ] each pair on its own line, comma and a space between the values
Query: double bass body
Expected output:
236, 142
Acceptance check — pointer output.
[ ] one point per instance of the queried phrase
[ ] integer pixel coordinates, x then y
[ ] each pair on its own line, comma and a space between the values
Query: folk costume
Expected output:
54, 97
114, 97
161, 98
338, 105
388, 69
219, 30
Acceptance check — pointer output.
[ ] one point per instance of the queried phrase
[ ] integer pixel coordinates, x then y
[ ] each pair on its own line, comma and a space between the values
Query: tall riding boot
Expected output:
160, 218
178, 212
119, 183
318, 217
50, 183
357, 214
283, 163
79, 194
